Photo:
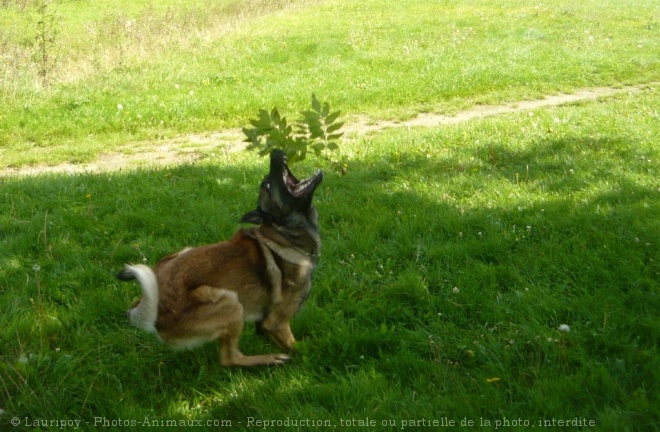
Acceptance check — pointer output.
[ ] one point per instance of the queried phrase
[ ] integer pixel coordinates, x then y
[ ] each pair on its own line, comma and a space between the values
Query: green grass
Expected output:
178, 67
451, 255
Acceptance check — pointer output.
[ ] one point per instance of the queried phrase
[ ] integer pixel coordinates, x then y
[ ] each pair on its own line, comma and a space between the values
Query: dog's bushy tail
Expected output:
144, 315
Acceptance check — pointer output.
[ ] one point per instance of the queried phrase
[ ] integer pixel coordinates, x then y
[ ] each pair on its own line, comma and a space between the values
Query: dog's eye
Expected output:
267, 185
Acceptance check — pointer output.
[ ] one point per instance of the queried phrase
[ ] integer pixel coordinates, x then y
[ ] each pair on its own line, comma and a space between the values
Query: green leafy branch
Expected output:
316, 132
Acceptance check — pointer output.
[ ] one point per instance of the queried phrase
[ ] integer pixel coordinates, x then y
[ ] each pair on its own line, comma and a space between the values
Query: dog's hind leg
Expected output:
226, 315
231, 355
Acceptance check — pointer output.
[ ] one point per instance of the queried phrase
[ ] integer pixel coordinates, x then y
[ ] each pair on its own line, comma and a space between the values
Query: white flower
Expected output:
120, 107
456, 290
565, 328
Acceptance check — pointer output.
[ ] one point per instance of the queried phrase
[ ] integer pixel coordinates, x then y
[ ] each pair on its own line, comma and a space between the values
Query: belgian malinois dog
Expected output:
262, 274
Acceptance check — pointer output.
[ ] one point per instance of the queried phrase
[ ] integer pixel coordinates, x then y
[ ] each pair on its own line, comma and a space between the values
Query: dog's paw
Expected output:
281, 359
257, 360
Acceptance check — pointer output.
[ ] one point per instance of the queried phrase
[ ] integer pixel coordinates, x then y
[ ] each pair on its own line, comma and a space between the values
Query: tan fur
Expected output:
262, 274
208, 292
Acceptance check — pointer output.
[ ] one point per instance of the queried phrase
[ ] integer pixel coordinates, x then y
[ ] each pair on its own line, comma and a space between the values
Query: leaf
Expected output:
316, 105
312, 133
311, 114
318, 148
334, 127
299, 144
326, 110
275, 115
281, 123
263, 122
332, 117
315, 131
250, 132
253, 137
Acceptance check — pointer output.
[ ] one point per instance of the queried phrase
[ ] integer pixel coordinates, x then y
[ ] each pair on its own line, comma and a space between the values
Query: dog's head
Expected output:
283, 199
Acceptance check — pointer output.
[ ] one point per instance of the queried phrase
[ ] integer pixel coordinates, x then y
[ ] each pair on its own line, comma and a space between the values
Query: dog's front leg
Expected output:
279, 329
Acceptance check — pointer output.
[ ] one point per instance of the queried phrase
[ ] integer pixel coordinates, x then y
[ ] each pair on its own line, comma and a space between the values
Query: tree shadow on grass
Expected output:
436, 274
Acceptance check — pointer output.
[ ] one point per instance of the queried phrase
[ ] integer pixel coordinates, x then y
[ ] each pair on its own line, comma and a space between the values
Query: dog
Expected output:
262, 274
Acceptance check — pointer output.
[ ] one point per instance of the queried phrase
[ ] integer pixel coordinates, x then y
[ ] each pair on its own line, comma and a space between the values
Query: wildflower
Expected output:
456, 290
120, 107
565, 328
36, 267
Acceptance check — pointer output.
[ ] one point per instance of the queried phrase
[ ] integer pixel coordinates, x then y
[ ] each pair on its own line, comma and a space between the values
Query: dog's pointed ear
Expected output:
254, 217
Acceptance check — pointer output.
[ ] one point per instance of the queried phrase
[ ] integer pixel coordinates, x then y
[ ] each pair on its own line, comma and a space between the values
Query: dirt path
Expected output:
429, 120
192, 147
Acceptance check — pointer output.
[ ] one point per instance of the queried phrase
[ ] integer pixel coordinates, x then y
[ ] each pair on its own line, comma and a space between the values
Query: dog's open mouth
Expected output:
301, 188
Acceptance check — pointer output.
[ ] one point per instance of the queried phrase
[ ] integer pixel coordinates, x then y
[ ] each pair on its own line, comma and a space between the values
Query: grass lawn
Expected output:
121, 72
454, 257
